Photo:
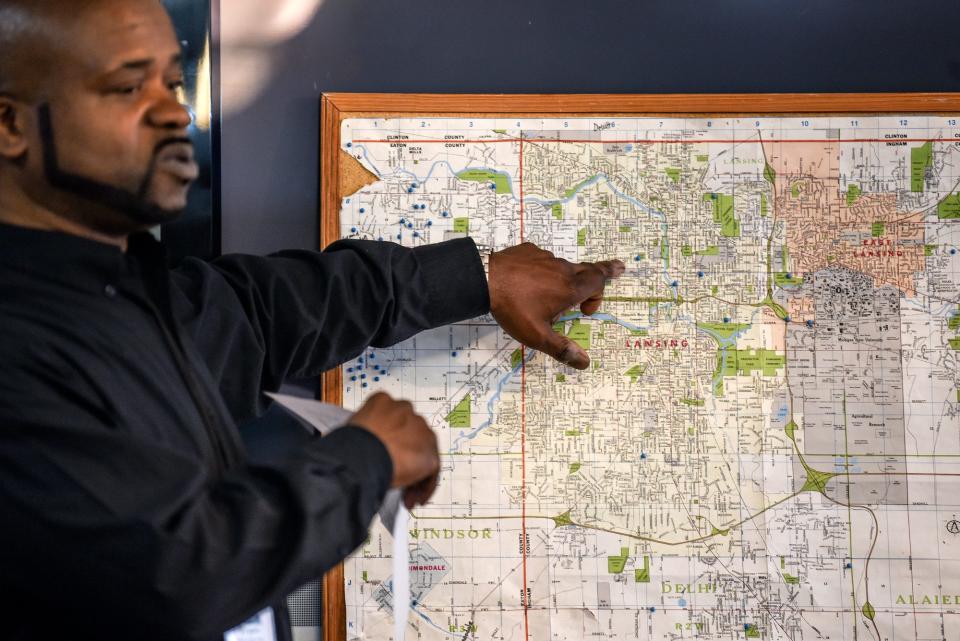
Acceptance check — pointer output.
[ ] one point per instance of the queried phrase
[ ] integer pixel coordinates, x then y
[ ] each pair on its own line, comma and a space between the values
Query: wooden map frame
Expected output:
341, 175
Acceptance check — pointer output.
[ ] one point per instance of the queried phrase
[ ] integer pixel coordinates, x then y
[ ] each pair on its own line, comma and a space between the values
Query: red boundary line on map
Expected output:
523, 446
663, 141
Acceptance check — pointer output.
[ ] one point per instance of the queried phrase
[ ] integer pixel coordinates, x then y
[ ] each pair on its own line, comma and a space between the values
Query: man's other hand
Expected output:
411, 443
530, 289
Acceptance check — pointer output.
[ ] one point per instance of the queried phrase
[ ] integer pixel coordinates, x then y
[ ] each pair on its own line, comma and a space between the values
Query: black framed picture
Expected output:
197, 231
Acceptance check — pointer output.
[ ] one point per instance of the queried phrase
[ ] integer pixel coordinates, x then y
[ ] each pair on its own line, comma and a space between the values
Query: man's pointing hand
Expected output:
530, 288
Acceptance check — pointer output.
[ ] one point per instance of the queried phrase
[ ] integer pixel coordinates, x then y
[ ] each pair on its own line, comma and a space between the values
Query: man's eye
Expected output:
127, 90
176, 85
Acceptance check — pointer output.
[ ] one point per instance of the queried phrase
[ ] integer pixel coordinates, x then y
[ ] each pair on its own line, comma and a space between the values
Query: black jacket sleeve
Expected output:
258, 321
95, 517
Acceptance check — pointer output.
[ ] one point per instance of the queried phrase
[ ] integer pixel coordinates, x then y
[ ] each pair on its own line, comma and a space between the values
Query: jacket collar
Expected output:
77, 262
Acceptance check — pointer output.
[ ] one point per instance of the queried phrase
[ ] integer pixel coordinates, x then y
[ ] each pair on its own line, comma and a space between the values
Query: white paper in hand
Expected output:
326, 417
401, 573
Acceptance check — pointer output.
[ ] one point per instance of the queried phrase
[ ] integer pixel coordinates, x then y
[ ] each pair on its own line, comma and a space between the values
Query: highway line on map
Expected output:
524, 595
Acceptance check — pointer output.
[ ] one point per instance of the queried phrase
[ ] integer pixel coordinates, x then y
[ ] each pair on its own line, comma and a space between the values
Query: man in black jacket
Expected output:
129, 506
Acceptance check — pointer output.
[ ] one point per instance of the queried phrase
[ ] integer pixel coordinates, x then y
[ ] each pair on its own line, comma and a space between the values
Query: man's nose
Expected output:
168, 113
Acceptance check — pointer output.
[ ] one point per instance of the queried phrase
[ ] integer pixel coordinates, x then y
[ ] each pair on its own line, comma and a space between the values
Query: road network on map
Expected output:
767, 444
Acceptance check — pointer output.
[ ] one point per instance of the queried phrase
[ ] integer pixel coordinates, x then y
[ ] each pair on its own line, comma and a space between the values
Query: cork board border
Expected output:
341, 175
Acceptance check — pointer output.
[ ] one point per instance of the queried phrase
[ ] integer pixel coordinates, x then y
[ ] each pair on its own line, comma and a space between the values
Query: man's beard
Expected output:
133, 204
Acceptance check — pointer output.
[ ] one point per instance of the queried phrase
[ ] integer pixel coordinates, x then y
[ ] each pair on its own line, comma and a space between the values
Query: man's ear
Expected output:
13, 142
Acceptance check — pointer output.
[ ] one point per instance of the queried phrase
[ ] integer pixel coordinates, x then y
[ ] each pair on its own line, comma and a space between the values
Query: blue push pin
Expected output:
454, 354
353, 230
380, 238
746, 626
403, 221
376, 379
652, 609
362, 376
726, 319
429, 223
446, 213
399, 236
809, 323
789, 276
848, 566
349, 144
409, 225
416, 234
362, 210
493, 185
953, 252
349, 369
643, 456
372, 356
636, 258
365, 385
414, 185
410, 190
353, 378
699, 274
786, 319
674, 284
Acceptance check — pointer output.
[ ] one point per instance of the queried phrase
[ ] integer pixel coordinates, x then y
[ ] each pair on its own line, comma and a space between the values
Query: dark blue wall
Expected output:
270, 149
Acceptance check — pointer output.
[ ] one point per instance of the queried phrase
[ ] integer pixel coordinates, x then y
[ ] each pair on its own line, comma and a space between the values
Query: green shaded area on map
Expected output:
816, 480
673, 173
751, 631
460, 416
461, 225
561, 378
953, 322
790, 579
949, 207
484, 175
853, 193
574, 468
516, 358
579, 333
795, 190
557, 211
712, 250
617, 563
573, 190
868, 611
635, 372
744, 362
920, 160
928, 250
764, 210
877, 228
642, 575
693, 402
582, 237
786, 279
562, 519
686, 251
769, 174
954, 343
775, 307
723, 214
791, 430
723, 330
